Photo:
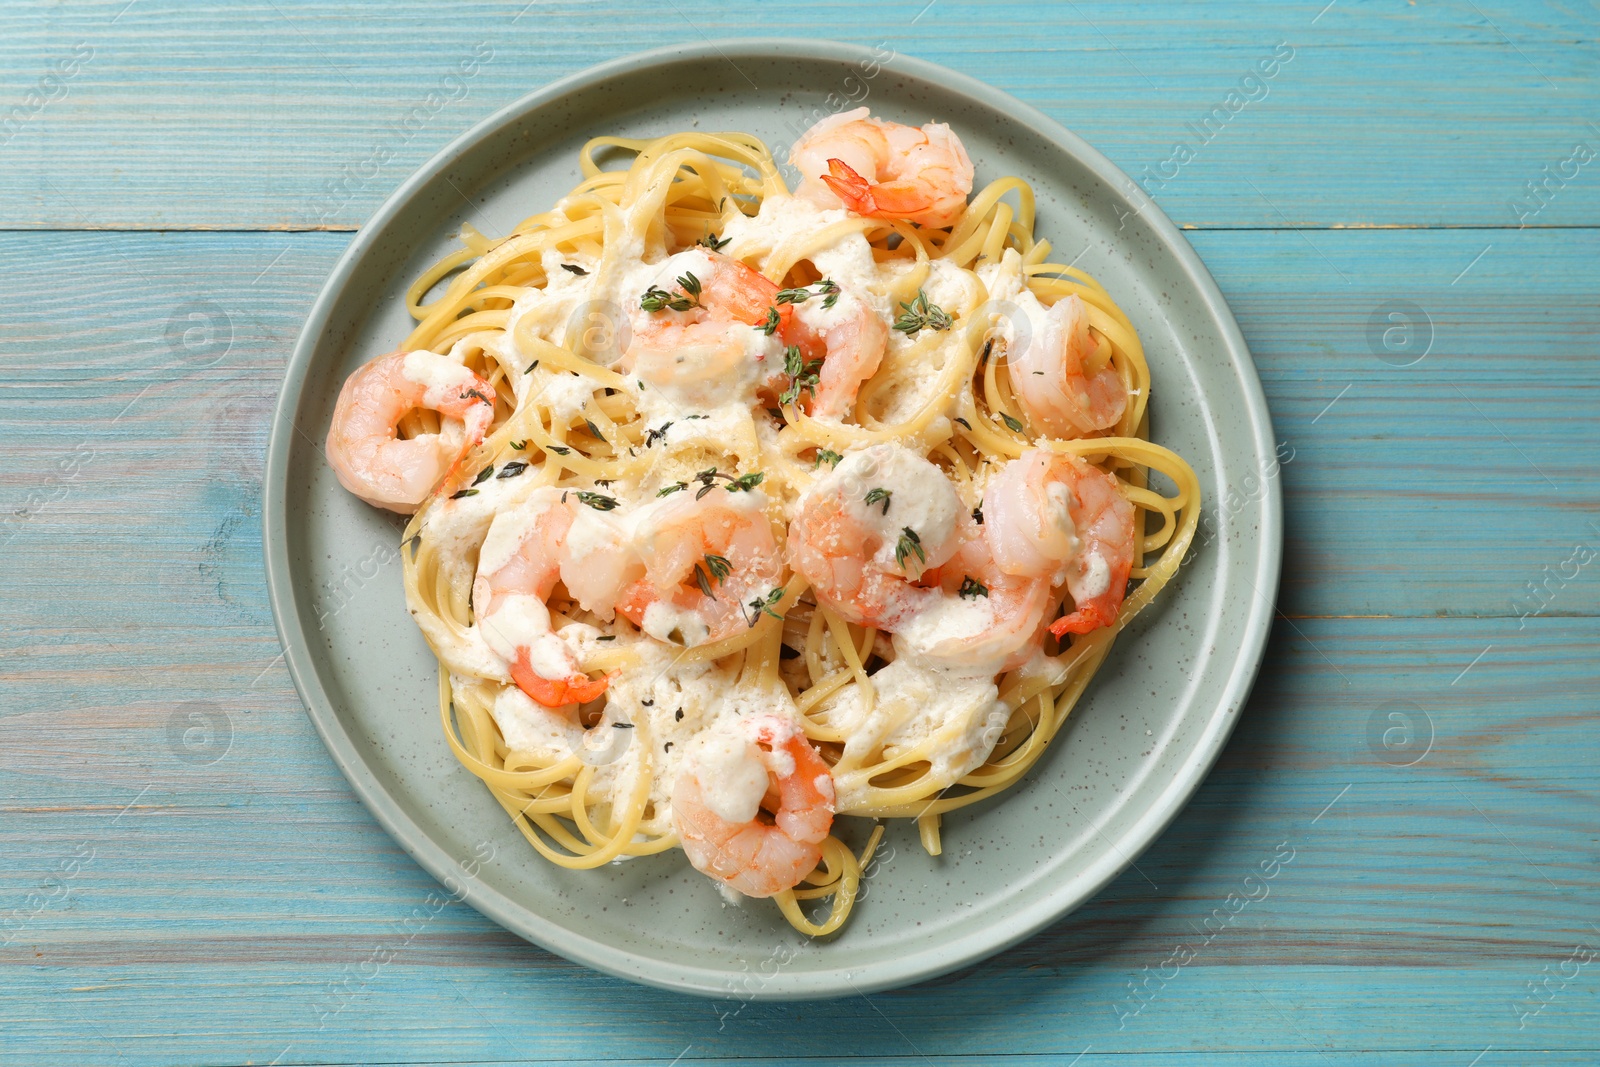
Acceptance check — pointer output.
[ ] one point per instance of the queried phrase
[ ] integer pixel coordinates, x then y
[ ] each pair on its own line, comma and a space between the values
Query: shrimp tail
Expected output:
577, 688
885, 200
852, 188
1090, 617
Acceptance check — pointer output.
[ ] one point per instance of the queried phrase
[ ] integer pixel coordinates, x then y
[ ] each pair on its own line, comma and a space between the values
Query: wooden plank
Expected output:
1447, 486
201, 885
148, 117
1419, 903
1442, 458
185, 877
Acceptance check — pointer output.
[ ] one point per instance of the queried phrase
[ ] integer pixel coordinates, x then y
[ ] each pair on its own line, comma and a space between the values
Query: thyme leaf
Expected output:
714, 569
909, 543
825, 288
763, 606
802, 375
598, 501
707, 479
879, 495
921, 315
656, 298
972, 588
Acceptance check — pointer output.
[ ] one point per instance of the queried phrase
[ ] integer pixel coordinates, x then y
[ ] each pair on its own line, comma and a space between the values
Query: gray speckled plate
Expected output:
1131, 755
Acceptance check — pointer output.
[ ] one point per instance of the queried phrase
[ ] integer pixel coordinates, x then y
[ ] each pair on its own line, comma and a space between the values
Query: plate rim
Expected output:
922, 963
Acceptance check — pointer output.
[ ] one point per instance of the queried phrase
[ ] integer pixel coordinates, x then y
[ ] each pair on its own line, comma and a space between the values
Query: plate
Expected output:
1139, 742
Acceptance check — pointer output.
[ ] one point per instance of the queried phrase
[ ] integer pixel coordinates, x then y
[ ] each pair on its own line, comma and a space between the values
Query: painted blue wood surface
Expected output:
170, 897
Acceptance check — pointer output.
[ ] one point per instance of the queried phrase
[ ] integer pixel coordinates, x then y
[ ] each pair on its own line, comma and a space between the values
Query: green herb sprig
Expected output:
598, 501
921, 315
763, 606
708, 481
655, 298
909, 543
802, 375
715, 569
825, 288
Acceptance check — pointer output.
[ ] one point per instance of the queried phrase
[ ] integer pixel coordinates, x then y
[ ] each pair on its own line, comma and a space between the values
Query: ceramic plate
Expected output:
1139, 742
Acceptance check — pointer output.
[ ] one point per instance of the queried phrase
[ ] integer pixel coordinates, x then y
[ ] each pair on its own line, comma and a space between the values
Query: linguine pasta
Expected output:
552, 319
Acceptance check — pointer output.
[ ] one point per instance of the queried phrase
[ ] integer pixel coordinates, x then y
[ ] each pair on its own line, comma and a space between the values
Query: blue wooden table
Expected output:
1406, 220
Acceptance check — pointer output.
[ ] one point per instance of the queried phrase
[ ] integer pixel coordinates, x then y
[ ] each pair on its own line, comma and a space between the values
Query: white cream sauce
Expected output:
668, 710
920, 498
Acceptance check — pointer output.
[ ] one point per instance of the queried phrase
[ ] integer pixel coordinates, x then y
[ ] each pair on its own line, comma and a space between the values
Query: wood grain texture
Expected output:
1387, 114
185, 878
1418, 902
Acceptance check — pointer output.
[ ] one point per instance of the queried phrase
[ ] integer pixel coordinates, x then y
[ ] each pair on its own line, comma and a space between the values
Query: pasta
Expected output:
730, 499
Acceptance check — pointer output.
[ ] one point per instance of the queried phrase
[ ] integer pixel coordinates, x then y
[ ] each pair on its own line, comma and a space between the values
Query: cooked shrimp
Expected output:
706, 551
870, 529
1052, 513
1049, 519
885, 170
364, 448
717, 799
848, 338
523, 555
1063, 378
983, 617
716, 340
